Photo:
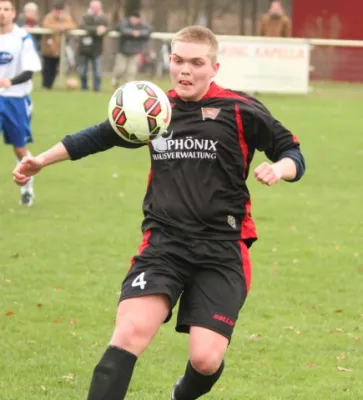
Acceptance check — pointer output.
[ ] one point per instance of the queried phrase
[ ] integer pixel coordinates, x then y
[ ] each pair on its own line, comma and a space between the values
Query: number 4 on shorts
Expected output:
139, 281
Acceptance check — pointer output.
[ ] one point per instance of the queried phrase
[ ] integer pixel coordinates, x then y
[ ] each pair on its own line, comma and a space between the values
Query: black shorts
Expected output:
211, 278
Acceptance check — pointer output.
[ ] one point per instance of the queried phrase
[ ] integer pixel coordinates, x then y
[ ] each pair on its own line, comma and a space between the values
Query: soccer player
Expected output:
197, 218
18, 61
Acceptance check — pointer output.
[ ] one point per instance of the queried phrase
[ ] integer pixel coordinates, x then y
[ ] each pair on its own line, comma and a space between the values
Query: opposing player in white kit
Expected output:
18, 61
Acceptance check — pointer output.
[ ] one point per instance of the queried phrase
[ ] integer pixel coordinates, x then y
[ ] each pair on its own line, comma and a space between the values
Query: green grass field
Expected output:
300, 333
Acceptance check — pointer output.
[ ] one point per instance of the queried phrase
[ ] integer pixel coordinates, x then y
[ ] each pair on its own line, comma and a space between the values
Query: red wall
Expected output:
333, 19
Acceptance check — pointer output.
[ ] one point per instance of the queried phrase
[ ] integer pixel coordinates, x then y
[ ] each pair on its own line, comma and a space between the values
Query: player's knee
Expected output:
206, 361
131, 335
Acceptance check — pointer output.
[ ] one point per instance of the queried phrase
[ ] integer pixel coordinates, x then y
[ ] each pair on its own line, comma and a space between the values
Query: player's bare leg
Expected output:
26, 191
207, 349
138, 320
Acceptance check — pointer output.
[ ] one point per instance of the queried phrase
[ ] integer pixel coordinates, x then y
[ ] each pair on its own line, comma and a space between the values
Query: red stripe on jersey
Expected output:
248, 227
295, 139
241, 139
246, 263
216, 92
149, 178
144, 244
172, 93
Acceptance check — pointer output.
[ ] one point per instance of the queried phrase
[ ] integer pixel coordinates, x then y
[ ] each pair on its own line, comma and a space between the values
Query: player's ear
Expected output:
215, 69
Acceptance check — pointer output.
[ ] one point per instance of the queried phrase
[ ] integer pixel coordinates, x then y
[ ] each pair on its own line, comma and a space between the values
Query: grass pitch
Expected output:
300, 333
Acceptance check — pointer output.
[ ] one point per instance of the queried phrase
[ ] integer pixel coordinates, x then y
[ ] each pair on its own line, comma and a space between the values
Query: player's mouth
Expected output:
185, 83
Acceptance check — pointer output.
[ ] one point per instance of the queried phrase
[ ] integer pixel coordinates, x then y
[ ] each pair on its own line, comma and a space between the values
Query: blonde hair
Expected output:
198, 34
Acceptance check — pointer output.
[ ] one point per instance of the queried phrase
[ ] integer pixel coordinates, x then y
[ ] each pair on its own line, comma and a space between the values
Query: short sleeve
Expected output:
30, 60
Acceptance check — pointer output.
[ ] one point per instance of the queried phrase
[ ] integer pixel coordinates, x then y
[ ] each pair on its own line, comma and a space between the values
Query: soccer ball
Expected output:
72, 83
139, 111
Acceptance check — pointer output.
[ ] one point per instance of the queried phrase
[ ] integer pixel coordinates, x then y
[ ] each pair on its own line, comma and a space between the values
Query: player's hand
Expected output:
5, 83
27, 167
268, 174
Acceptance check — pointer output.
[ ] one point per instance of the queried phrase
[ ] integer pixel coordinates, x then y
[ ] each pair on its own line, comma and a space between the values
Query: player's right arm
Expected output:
91, 140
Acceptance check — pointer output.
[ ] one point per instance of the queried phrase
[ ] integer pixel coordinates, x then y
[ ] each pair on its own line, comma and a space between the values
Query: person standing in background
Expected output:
28, 19
90, 48
275, 23
134, 36
50, 48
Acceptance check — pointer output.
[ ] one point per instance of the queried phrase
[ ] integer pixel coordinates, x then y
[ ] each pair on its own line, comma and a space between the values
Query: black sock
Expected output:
112, 375
195, 384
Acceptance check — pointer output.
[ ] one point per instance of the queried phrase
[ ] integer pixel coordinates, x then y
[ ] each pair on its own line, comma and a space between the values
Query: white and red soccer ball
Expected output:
139, 111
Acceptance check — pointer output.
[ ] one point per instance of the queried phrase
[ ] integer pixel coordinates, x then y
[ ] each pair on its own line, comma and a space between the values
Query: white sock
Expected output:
28, 187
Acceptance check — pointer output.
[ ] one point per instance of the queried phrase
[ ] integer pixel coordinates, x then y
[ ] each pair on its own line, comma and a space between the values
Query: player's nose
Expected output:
185, 69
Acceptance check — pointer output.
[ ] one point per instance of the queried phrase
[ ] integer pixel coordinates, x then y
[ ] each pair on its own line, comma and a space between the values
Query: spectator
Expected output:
90, 49
133, 40
275, 23
29, 18
50, 48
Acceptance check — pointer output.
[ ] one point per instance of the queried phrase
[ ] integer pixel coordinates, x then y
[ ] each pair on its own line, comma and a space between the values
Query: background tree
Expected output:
160, 16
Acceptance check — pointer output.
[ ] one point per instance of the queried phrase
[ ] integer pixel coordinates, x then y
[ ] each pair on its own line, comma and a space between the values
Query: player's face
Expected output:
7, 13
191, 70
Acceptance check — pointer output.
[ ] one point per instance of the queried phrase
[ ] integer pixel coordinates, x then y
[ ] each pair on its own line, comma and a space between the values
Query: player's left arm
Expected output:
280, 146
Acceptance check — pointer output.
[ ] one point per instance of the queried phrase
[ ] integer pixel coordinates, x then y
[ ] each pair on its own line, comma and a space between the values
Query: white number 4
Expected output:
139, 281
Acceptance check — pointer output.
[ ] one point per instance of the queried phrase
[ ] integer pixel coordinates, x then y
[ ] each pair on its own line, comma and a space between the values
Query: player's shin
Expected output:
112, 375
26, 191
195, 384
28, 187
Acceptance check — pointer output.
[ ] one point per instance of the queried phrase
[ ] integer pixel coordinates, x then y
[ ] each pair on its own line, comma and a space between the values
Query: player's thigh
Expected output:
16, 121
218, 290
151, 310
155, 270
138, 320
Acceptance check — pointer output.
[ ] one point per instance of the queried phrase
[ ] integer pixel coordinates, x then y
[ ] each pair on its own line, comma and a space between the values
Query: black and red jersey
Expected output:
199, 167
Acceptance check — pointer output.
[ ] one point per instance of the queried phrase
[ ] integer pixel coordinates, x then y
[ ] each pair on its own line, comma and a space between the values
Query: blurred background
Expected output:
332, 19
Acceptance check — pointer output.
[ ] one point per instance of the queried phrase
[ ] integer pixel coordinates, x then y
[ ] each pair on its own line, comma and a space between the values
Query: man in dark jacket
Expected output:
90, 49
134, 35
